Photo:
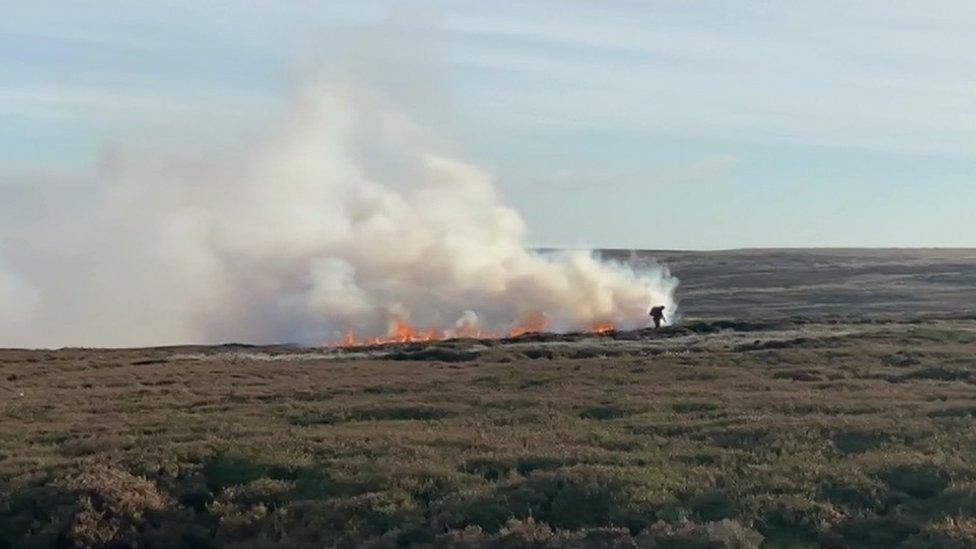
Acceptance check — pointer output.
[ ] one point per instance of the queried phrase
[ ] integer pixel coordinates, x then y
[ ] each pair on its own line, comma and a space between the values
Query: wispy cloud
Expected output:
707, 171
853, 97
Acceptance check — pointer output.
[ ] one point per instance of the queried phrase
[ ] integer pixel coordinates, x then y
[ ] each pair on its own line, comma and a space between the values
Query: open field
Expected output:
815, 413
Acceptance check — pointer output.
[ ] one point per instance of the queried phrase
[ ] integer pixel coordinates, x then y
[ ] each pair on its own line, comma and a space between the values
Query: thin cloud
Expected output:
708, 171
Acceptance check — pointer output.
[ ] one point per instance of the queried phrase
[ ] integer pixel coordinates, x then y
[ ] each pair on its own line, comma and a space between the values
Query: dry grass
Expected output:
840, 431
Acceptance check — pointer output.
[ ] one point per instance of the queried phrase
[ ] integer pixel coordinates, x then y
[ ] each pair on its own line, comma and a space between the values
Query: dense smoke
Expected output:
350, 217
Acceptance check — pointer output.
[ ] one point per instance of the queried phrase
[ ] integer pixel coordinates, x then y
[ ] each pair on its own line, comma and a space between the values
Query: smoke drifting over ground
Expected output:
351, 217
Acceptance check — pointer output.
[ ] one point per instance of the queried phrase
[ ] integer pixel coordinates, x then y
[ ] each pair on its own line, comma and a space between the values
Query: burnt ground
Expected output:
803, 422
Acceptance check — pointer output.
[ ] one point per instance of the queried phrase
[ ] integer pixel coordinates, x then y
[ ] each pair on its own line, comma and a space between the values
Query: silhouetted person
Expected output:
657, 315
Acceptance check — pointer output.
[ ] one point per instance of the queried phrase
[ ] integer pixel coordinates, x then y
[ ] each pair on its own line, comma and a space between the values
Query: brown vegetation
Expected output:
799, 432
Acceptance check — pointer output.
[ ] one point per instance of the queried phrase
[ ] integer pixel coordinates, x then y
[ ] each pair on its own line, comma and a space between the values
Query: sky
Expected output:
652, 124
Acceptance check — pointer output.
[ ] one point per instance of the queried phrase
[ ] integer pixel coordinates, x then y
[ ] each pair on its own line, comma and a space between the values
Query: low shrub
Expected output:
112, 505
855, 490
939, 373
860, 441
435, 354
724, 534
948, 533
920, 481
795, 519
689, 407
496, 468
567, 498
873, 530
605, 412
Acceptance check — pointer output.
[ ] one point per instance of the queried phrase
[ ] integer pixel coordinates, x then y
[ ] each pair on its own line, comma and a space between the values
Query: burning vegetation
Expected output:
402, 331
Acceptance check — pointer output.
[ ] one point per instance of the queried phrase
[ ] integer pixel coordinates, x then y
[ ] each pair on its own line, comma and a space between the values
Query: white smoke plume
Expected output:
351, 217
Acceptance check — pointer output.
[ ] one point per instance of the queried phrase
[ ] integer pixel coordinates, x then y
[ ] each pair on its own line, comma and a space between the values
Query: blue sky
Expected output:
678, 124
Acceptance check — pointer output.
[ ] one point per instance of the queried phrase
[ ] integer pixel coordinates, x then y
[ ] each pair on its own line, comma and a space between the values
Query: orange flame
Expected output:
348, 340
602, 328
469, 331
535, 323
401, 331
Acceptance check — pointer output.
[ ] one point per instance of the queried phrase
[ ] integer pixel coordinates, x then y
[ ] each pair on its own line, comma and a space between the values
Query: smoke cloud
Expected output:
351, 216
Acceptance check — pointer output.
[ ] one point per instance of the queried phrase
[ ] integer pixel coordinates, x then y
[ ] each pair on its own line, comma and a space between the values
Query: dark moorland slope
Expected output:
765, 283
